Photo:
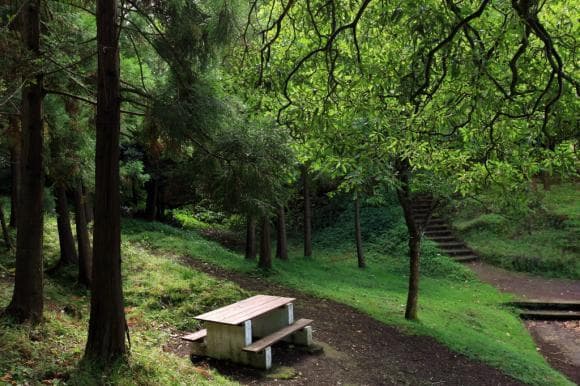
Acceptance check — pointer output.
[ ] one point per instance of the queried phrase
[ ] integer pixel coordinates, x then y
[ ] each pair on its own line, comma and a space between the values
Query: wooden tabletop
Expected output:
245, 310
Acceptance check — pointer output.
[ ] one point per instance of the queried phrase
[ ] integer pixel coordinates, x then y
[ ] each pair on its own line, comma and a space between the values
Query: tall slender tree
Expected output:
15, 168
281, 238
307, 211
265, 260
27, 301
68, 253
83, 242
358, 234
106, 339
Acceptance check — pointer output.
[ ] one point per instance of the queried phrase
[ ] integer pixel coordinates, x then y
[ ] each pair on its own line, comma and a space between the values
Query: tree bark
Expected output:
152, 190
307, 212
7, 239
281, 238
358, 235
250, 238
265, 260
107, 324
404, 197
68, 253
15, 167
83, 241
89, 209
27, 301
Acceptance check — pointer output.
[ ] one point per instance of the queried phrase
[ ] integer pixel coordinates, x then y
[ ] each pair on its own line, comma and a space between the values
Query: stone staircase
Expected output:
440, 232
548, 309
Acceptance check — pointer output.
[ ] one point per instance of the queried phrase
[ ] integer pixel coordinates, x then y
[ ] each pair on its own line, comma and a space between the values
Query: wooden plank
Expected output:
245, 310
257, 310
223, 312
269, 340
195, 336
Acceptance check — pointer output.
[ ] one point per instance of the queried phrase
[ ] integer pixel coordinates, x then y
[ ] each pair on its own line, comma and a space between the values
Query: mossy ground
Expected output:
161, 296
455, 308
545, 242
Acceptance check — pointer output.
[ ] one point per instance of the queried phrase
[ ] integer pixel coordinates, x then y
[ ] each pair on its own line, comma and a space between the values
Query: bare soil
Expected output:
527, 286
559, 342
358, 350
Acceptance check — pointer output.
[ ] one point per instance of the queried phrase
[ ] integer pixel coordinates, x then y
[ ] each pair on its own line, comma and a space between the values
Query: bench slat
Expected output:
195, 336
269, 340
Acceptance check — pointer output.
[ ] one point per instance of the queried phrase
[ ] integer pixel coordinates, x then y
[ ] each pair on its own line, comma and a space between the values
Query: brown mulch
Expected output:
358, 350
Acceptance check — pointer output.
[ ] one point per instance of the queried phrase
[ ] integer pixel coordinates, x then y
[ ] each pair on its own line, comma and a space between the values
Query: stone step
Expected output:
443, 232
550, 315
465, 259
432, 221
441, 238
450, 244
436, 227
458, 252
560, 305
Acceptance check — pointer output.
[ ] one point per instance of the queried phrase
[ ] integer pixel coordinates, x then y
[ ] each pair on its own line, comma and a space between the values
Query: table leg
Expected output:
273, 321
225, 341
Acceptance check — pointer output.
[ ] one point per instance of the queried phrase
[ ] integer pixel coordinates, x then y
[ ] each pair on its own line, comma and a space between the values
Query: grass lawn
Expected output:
544, 243
161, 295
455, 308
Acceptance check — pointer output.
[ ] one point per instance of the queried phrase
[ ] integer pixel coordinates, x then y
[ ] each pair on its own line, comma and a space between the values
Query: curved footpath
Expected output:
558, 341
357, 349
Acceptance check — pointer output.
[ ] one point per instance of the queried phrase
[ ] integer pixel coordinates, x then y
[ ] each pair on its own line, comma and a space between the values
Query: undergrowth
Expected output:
161, 296
456, 309
543, 242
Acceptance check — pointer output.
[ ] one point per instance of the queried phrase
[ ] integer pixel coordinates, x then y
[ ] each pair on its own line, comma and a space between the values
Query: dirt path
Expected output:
527, 286
559, 342
358, 350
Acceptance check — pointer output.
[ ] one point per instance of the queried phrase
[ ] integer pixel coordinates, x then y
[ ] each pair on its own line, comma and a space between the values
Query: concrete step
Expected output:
561, 305
465, 259
458, 252
450, 244
442, 238
441, 232
550, 315
436, 227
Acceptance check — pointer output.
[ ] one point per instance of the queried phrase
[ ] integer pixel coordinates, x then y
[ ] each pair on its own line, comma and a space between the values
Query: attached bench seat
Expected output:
194, 337
269, 340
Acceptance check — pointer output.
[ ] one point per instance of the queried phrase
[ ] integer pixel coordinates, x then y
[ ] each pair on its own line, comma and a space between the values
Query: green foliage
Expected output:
460, 312
162, 295
542, 240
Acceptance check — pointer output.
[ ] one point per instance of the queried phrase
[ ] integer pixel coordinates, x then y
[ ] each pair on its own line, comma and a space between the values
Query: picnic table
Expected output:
244, 332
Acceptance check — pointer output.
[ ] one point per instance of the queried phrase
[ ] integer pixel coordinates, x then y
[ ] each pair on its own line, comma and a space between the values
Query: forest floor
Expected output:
559, 341
358, 313
357, 348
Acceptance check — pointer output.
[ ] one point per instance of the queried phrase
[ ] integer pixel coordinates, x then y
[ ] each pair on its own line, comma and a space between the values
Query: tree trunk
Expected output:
265, 260
89, 210
357, 234
84, 244
15, 167
27, 301
107, 324
307, 212
404, 196
7, 239
152, 189
250, 238
281, 239
68, 253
